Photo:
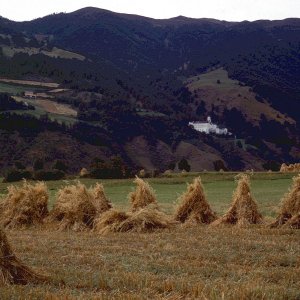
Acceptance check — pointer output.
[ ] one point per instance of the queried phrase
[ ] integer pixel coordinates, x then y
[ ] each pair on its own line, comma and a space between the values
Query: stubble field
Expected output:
186, 262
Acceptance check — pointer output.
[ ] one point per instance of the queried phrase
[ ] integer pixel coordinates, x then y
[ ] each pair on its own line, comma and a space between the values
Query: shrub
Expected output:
60, 165
47, 175
183, 165
271, 165
219, 165
19, 165
17, 175
38, 164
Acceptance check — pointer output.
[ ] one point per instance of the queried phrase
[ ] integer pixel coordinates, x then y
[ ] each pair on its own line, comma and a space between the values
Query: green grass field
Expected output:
15, 89
267, 189
210, 79
186, 262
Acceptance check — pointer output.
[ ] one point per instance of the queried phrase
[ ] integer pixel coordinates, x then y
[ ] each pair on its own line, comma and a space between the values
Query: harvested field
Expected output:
186, 263
195, 262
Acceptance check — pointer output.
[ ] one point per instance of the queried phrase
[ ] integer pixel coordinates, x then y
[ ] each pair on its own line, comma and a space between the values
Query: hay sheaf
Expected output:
143, 195
12, 270
290, 204
292, 168
76, 206
99, 199
110, 221
146, 219
24, 205
243, 210
194, 206
293, 222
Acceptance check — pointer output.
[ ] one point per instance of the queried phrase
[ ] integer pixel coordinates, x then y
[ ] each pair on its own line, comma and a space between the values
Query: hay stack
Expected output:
292, 168
243, 210
84, 172
25, 205
76, 207
290, 207
99, 199
145, 215
194, 206
283, 168
110, 221
146, 219
142, 196
12, 270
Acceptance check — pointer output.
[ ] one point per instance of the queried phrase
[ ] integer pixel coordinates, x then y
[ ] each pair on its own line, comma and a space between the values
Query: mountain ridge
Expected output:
143, 65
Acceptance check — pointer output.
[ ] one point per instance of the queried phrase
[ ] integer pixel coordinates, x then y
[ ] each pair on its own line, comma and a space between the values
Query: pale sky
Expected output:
230, 10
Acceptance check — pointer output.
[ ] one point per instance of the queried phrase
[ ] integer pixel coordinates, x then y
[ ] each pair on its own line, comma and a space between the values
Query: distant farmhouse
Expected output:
35, 95
29, 95
208, 127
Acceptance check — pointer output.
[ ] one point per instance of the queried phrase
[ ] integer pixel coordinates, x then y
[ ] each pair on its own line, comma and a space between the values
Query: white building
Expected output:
30, 95
208, 127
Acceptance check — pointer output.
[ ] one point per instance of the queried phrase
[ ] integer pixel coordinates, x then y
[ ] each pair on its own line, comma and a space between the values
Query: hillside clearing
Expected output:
30, 83
216, 88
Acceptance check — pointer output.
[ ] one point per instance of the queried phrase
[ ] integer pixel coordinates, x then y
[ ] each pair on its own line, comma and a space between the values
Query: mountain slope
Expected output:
142, 80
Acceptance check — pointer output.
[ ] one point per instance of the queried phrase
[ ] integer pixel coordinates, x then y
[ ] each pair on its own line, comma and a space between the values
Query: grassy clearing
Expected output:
211, 78
30, 83
219, 90
39, 111
14, 89
55, 52
200, 262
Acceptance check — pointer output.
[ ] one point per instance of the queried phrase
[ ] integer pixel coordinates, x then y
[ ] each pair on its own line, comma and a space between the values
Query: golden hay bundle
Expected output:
142, 196
12, 270
292, 168
99, 199
194, 205
243, 210
76, 206
109, 221
293, 222
290, 206
146, 219
25, 205
84, 172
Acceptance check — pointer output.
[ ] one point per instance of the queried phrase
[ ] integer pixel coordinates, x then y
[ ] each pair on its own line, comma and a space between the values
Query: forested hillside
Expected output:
136, 82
